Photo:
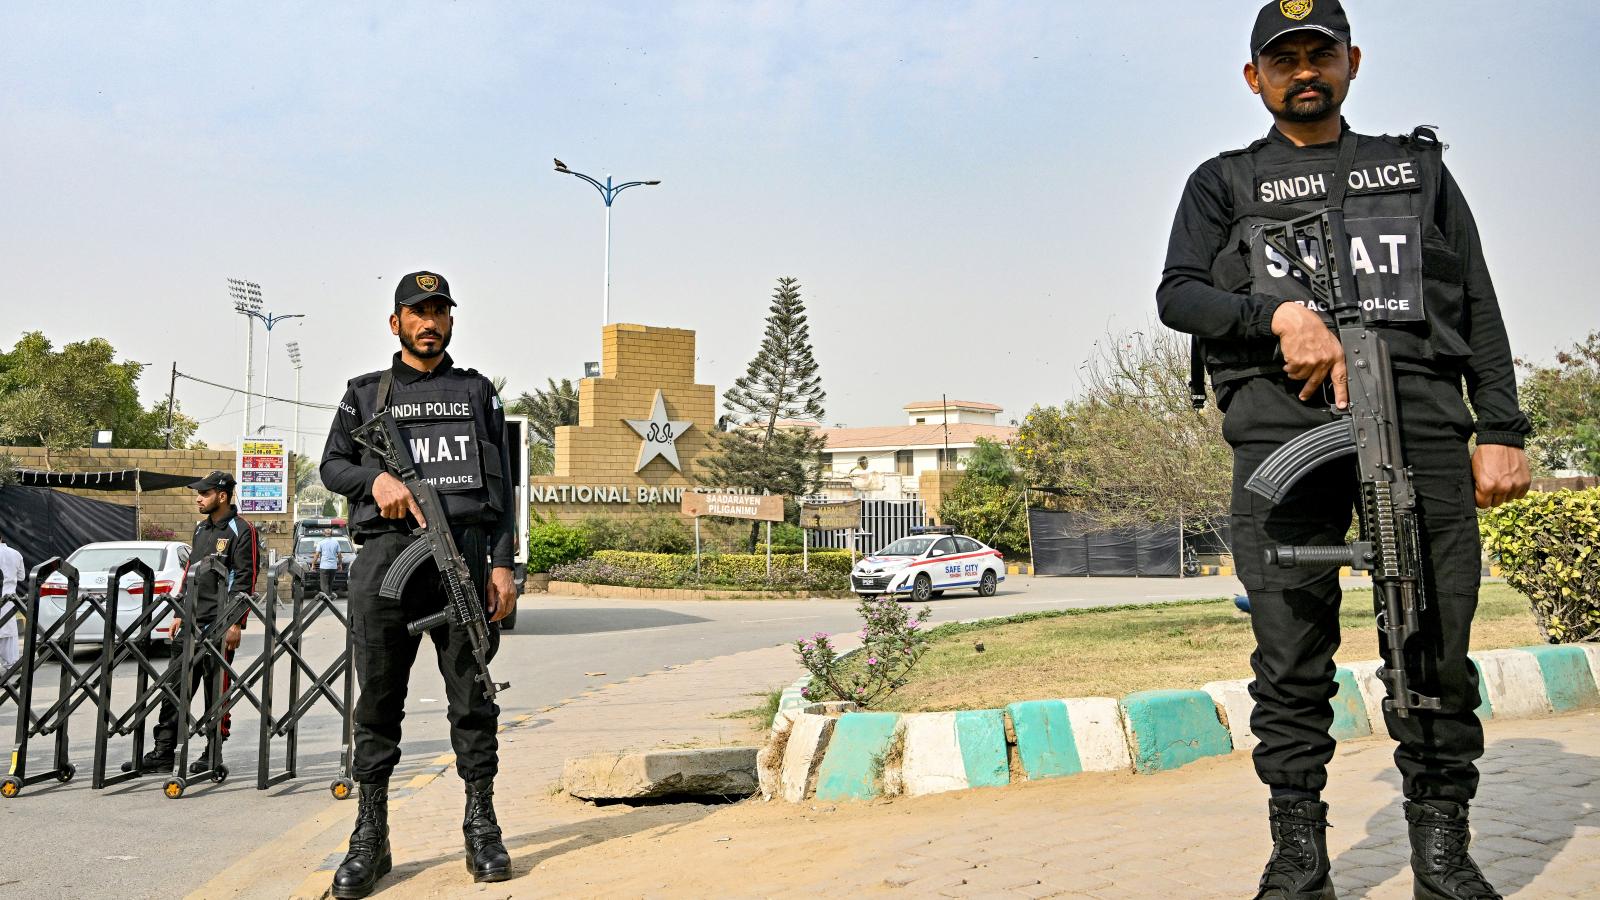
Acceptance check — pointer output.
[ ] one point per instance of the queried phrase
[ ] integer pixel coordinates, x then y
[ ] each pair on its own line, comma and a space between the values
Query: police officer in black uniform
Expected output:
454, 424
1276, 366
234, 541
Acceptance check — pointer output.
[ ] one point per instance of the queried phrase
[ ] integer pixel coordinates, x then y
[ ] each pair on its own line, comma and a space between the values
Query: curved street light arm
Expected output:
597, 185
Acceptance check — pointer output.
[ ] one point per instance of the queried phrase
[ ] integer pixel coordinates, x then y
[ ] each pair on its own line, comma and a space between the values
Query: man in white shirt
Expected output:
327, 562
13, 581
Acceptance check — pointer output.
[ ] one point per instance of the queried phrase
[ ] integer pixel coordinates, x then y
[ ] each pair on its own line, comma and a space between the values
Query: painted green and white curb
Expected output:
953, 751
1168, 729
860, 755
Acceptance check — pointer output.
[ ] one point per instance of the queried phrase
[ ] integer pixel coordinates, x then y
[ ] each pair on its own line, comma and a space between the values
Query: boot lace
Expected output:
367, 837
1447, 851
481, 823
1294, 854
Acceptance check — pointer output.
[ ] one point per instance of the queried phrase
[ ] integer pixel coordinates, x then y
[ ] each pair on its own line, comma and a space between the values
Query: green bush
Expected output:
552, 543
992, 513
1546, 547
830, 570
647, 534
786, 538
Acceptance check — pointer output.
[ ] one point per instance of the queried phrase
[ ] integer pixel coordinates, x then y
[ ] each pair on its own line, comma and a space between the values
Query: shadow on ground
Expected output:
557, 840
1513, 840
584, 621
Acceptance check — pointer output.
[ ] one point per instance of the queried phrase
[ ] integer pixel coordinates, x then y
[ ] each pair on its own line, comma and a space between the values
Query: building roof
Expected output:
953, 404
908, 436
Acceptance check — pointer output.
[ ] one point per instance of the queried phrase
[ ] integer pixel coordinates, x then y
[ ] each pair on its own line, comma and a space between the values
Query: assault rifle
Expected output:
1389, 545
462, 607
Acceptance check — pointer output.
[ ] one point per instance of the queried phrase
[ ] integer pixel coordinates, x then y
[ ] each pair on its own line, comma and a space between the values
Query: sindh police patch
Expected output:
429, 282
222, 545
1295, 9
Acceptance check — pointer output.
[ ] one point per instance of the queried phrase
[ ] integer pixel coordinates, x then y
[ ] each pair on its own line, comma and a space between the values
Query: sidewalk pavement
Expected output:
1196, 832
680, 706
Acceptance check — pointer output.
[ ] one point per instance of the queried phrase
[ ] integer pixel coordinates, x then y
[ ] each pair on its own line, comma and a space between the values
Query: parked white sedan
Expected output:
928, 563
168, 559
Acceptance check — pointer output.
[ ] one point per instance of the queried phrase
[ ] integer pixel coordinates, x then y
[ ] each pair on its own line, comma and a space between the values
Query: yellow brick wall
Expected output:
172, 509
636, 361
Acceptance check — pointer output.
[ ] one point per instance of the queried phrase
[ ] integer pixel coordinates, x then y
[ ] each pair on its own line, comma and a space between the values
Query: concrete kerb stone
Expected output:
1168, 729
1098, 729
808, 740
1373, 692
1514, 682
1569, 682
1592, 651
853, 764
1234, 705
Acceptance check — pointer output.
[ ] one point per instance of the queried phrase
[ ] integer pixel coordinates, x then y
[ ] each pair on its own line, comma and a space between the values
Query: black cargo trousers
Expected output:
202, 672
384, 653
1295, 612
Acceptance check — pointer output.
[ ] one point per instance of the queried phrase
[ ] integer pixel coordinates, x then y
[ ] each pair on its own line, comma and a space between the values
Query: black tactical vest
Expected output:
1408, 279
448, 435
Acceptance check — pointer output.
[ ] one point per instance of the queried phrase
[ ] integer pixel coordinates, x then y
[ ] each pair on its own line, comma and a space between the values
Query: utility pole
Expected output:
172, 394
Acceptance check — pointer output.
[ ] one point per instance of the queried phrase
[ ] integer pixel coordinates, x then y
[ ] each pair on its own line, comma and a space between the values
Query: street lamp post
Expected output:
294, 360
266, 375
608, 193
247, 302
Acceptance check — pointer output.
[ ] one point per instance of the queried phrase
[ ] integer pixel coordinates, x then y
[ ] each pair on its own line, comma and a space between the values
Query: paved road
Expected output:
129, 841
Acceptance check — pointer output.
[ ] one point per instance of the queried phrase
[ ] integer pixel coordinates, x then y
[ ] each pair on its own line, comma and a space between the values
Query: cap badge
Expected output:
429, 282
1295, 9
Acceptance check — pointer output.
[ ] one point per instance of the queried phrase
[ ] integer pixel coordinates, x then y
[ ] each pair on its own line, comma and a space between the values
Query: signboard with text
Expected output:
759, 507
263, 473
831, 516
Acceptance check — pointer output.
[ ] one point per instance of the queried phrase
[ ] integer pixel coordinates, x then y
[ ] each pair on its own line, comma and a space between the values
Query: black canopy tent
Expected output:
41, 522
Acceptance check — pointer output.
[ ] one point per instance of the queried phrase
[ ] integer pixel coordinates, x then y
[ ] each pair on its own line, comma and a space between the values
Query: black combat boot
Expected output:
158, 760
1298, 868
203, 761
368, 859
487, 858
1440, 866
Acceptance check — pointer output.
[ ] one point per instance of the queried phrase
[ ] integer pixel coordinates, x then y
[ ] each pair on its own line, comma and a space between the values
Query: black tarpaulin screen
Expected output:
1064, 545
105, 480
40, 523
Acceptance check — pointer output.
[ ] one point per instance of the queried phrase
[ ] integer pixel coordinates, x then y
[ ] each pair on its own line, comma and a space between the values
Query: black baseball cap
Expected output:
420, 286
216, 481
1281, 17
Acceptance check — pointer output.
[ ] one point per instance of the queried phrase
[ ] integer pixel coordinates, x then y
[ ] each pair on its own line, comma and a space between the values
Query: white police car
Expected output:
928, 563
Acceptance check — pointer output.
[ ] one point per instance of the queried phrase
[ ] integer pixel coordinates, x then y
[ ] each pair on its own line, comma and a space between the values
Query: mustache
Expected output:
429, 333
1318, 86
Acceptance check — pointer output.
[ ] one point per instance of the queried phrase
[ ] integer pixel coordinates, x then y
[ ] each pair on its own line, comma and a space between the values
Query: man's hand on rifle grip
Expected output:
1311, 352
394, 499
502, 594
1499, 474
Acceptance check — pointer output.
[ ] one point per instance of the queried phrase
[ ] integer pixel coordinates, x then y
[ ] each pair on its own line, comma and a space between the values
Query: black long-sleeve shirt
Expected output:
1188, 301
346, 471
237, 546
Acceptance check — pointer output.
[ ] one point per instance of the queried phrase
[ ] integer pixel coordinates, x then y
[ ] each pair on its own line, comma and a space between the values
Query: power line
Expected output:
274, 399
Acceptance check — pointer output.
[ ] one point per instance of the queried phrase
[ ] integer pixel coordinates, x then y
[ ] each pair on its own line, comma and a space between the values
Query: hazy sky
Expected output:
970, 193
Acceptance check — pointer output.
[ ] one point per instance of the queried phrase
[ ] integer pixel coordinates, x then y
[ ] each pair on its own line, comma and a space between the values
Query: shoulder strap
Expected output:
1341, 175
385, 384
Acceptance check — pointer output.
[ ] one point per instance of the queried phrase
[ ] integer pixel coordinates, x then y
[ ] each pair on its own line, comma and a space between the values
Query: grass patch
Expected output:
760, 715
1110, 652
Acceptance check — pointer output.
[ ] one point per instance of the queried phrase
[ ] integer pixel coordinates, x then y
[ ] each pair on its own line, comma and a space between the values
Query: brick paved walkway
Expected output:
1197, 832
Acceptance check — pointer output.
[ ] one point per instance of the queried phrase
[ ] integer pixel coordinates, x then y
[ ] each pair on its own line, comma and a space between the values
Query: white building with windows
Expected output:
884, 462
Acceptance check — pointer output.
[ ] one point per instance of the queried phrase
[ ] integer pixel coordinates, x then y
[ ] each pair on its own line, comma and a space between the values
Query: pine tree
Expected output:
780, 383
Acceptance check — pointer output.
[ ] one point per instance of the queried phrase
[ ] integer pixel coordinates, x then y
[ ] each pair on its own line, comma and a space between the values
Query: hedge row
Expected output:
829, 570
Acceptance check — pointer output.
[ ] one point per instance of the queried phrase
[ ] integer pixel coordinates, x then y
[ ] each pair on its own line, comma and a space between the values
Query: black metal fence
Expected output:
280, 685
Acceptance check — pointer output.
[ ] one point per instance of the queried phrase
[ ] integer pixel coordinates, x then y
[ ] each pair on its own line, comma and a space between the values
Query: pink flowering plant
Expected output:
893, 639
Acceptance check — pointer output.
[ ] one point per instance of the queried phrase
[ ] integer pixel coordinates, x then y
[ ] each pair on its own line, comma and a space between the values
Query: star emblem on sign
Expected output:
660, 434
